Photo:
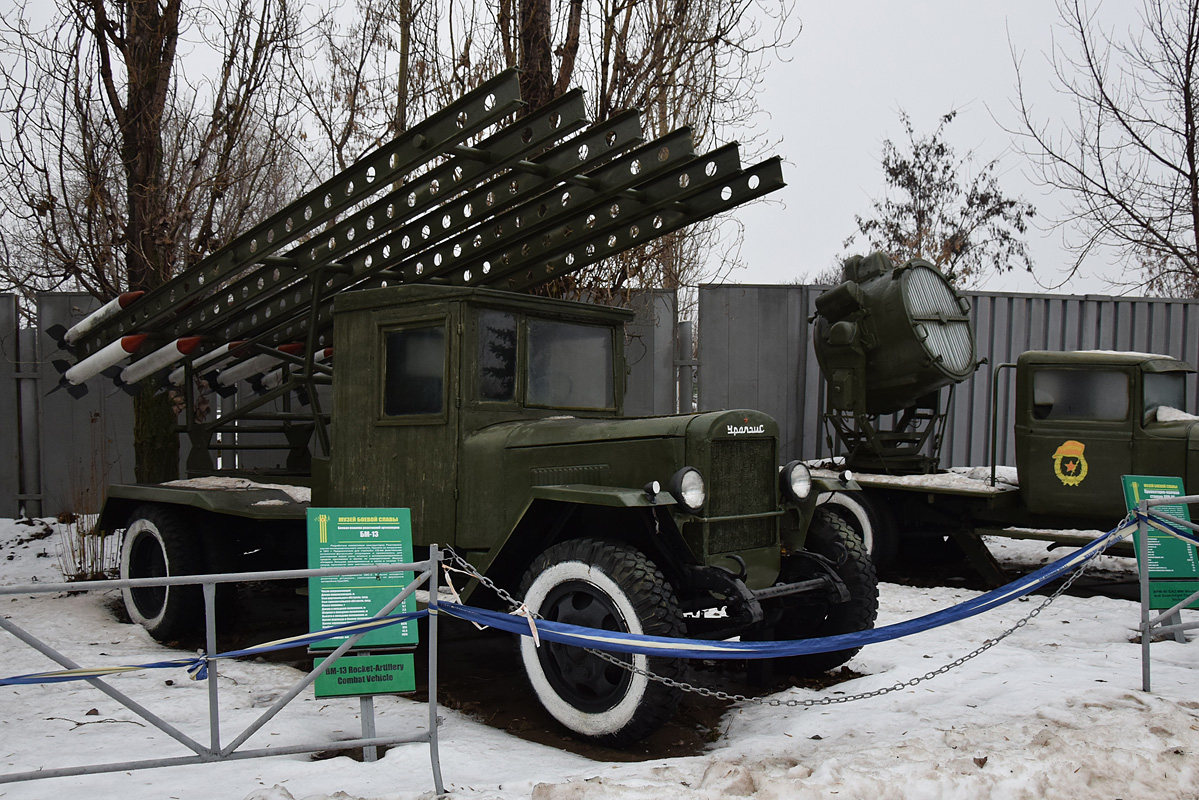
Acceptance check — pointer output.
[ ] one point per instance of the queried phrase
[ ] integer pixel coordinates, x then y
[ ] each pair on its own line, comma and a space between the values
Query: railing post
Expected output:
1143, 572
366, 710
434, 576
214, 708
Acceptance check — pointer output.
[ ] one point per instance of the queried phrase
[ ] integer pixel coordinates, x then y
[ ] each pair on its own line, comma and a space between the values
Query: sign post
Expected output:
1168, 566
1171, 564
354, 537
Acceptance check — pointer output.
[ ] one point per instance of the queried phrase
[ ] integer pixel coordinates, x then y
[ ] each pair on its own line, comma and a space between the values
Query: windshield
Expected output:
570, 366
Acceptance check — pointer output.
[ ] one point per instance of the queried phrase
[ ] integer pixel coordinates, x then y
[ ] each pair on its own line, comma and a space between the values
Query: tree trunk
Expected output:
148, 50
536, 54
404, 87
155, 442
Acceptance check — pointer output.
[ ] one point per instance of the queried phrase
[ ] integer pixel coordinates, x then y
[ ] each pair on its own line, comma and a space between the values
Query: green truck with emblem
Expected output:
406, 365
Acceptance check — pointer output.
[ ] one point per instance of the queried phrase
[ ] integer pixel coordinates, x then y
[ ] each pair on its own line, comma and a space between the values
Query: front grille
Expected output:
743, 477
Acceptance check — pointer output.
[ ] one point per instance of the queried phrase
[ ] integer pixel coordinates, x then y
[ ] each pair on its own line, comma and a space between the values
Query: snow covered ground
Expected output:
1053, 711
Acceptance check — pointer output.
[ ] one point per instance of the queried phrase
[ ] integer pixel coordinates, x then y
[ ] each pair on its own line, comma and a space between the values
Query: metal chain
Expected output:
717, 694
469, 569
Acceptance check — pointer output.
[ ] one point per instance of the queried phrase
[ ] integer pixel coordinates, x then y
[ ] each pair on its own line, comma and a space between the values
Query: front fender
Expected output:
562, 511
592, 495
798, 517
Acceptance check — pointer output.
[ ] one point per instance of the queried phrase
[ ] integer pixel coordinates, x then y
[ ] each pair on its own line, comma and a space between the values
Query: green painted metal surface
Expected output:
1085, 419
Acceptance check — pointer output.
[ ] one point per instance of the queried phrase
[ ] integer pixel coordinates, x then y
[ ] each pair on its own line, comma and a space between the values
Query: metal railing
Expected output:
214, 751
1170, 620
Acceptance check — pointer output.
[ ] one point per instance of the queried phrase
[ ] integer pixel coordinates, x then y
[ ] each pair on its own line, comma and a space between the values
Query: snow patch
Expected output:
1170, 414
298, 494
1132, 353
1004, 475
975, 480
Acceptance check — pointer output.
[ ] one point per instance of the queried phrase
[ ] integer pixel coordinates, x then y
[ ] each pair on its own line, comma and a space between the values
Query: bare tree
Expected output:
690, 62
119, 167
935, 210
1128, 151
125, 162
696, 63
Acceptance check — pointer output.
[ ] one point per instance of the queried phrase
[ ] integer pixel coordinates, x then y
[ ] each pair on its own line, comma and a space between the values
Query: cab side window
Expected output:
1080, 394
414, 372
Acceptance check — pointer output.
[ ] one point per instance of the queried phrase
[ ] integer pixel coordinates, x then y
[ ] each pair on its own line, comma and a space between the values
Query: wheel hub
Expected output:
586, 681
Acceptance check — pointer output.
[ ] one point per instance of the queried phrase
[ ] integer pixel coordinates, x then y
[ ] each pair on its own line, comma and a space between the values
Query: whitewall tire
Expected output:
610, 586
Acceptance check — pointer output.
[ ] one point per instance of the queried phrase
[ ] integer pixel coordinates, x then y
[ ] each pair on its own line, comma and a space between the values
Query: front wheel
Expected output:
610, 586
871, 521
831, 536
159, 543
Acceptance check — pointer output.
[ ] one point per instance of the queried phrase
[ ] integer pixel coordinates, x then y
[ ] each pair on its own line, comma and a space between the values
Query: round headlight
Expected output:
795, 480
687, 487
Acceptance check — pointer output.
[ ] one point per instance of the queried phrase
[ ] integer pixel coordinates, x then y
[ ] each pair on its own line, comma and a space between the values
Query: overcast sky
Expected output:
855, 64
853, 67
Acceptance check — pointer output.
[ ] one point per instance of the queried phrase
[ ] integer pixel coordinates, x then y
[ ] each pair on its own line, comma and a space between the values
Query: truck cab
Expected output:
1085, 418
498, 419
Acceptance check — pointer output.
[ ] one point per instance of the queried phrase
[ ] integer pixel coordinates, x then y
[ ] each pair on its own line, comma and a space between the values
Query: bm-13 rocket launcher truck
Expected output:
494, 414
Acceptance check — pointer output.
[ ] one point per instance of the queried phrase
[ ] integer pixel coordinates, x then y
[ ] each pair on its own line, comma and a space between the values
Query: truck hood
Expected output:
573, 430
1183, 427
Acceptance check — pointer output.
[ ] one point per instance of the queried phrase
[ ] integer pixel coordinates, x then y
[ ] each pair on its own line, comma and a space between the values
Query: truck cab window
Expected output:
1163, 389
1080, 394
570, 366
414, 374
497, 356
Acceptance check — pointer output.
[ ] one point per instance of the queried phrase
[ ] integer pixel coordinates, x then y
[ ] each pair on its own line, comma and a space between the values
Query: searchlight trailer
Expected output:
495, 415
888, 340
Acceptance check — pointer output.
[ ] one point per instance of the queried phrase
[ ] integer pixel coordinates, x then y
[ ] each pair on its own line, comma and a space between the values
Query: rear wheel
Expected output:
159, 543
831, 537
610, 586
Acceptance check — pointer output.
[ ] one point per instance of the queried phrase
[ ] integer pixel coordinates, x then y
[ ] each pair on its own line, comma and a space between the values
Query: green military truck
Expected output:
497, 419
889, 339
496, 416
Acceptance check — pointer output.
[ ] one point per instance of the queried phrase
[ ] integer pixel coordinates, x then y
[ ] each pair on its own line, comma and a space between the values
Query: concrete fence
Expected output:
755, 351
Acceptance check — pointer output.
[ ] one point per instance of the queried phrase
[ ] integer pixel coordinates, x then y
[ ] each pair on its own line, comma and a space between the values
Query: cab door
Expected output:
396, 424
1160, 445
1074, 440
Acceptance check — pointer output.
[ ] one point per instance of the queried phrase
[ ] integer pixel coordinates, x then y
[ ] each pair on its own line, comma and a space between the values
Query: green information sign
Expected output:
1173, 564
359, 675
354, 537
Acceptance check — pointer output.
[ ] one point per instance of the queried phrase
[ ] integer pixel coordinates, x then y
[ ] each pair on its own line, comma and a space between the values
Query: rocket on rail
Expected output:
73, 377
66, 337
